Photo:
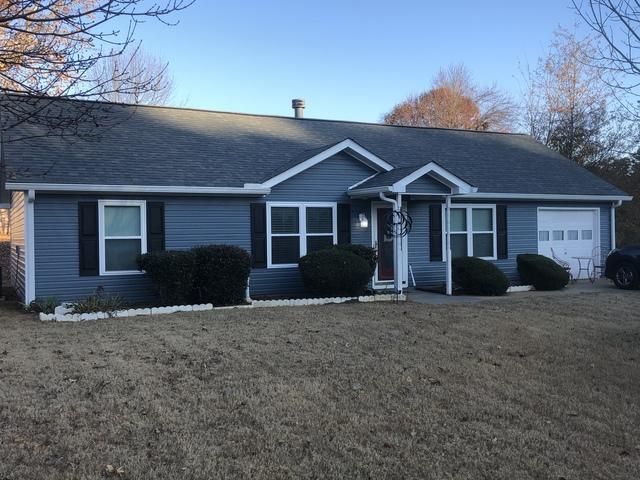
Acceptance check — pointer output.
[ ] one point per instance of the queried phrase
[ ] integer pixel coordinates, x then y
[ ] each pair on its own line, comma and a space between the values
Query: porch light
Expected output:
364, 222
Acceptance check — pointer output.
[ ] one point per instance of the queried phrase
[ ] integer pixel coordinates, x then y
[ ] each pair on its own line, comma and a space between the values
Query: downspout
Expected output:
396, 283
614, 205
448, 244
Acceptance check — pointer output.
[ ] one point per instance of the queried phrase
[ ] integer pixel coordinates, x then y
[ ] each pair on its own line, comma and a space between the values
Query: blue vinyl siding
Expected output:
327, 181
522, 228
427, 184
189, 221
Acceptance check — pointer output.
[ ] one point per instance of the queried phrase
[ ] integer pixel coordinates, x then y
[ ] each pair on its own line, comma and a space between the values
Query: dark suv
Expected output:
623, 267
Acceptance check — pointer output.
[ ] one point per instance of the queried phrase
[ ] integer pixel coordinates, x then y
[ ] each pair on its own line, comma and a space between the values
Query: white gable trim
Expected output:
442, 175
351, 147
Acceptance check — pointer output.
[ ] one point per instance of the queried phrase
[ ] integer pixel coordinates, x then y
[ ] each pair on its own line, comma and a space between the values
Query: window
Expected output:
587, 235
572, 234
298, 229
558, 234
122, 229
543, 235
473, 231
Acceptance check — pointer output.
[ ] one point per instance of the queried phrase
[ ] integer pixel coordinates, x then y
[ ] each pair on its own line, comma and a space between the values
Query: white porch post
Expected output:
398, 274
448, 244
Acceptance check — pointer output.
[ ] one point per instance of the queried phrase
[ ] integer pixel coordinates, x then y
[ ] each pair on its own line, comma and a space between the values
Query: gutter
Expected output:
70, 187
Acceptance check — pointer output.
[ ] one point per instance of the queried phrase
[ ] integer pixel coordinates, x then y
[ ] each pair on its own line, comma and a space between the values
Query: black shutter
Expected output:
501, 229
344, 223
258, 235
88, 238
435, 232
155, 226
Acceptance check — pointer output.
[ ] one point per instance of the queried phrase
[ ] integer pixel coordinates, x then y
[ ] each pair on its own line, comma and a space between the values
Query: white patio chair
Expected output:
563, 263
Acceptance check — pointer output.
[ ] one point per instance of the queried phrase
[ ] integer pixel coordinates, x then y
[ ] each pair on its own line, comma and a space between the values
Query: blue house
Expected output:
280, 187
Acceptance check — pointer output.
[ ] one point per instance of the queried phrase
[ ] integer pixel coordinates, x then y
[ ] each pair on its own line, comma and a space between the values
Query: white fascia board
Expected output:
69, 187
437, 172
362, 181
356, 150
547, 196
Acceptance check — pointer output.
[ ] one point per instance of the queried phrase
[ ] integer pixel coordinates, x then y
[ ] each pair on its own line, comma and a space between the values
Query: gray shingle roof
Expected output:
183, 147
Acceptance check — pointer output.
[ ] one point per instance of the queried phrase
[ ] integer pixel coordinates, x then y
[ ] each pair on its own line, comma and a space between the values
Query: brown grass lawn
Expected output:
529, 387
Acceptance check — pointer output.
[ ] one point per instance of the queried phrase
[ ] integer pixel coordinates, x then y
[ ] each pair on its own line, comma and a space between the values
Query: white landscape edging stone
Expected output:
63, 313
520, 288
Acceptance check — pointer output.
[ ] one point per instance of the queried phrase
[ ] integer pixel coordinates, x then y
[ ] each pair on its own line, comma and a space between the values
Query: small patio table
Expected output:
584, 267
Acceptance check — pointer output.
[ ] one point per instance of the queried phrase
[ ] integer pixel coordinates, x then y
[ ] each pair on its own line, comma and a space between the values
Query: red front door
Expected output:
385, 245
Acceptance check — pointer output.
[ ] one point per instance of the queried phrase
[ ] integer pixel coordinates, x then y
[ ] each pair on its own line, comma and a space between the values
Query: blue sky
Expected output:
348, 59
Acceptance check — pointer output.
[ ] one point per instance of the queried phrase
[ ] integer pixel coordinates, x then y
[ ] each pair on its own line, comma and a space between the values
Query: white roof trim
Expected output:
550, 196
78, 187
441, 174
354, 149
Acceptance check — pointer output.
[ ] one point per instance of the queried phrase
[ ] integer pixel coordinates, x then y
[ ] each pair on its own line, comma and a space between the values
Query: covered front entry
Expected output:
570, 233
382, 241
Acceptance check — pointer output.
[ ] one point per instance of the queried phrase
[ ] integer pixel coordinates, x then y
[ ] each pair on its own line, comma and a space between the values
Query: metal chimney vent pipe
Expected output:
298, 107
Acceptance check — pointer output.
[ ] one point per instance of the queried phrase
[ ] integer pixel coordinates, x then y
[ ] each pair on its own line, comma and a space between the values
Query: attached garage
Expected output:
570, 232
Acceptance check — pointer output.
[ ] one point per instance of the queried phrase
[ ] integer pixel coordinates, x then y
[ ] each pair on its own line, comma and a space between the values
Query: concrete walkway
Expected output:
579, 287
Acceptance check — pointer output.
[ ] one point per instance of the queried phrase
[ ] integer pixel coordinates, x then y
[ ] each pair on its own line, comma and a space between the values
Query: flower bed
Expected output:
63, 312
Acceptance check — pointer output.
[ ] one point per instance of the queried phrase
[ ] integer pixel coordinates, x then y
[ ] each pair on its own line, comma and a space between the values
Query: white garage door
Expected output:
571, 233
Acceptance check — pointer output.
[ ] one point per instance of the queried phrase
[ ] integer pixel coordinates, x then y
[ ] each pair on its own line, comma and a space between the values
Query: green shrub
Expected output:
368, 254
541, 272
479, 277
44, 305
98, 302
334, 272
221, 274
172, 273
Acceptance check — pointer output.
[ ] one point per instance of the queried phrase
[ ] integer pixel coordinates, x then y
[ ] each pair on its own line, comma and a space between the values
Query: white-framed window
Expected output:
295, 229
122, 229
473, 231
543, 236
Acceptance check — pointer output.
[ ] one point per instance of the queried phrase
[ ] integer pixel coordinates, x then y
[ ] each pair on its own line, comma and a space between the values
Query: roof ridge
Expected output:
284, 117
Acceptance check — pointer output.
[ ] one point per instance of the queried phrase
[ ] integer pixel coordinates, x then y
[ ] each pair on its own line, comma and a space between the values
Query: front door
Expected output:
385, 245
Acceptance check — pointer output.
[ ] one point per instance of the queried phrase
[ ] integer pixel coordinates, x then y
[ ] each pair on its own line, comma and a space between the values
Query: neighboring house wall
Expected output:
18, 251
522, 237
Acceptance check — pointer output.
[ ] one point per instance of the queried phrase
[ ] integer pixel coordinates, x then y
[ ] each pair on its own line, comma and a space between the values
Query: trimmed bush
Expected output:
334, 272
541, 272
479, 277
172, 273
221, 274
368, 254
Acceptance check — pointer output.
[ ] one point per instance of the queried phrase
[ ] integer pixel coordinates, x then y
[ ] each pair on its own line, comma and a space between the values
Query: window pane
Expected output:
285, 250
587, 235
318, 243
482, 219
572, 234
543, 235
483, 245
558, 235
284, 220
120, 255
458, 245
458, 220
319, 220
121, 221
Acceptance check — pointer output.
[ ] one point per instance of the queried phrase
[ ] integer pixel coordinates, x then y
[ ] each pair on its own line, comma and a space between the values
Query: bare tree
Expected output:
568, 105
48, 49
455, 101
152, 79
617, 25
